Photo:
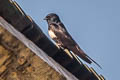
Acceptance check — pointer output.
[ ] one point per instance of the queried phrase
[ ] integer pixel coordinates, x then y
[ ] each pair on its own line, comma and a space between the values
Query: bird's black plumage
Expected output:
60, 35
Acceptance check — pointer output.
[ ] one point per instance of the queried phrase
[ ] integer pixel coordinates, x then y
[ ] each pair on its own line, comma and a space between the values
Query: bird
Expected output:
63, 39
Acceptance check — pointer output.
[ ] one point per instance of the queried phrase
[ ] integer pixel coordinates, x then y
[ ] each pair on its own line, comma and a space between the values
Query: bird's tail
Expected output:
84, 56
93, 61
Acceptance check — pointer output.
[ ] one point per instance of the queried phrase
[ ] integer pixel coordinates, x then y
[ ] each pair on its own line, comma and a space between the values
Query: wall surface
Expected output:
17, 62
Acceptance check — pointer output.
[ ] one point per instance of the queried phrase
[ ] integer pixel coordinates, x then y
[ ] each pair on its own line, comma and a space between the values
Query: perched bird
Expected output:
63, 39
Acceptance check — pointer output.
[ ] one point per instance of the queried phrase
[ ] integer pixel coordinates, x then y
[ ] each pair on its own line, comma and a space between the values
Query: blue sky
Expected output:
94, 24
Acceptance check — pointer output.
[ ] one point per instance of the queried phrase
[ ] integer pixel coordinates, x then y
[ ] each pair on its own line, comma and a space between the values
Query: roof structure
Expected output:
18, 62
28, 32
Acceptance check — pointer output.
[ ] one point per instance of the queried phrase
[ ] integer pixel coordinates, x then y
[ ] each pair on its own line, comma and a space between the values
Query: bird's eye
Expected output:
48, 17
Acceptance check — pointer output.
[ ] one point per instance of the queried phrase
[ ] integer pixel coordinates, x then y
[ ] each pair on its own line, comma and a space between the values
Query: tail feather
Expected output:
84, 56
94, 61
88, 59
81, 54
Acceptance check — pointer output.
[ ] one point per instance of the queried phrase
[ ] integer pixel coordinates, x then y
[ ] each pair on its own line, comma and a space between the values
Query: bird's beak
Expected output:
45, 18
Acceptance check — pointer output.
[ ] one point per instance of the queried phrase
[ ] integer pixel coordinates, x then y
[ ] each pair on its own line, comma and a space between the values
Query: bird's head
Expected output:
52, 18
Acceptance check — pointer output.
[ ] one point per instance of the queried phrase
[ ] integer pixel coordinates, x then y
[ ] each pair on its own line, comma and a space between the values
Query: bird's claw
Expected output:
68, 52
58, 46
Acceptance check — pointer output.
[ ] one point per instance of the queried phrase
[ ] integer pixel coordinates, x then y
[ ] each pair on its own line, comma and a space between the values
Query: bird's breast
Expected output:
51, 34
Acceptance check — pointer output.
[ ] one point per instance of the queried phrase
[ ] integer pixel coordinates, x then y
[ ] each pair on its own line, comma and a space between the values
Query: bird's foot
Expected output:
76, 57
58, 46
68, 52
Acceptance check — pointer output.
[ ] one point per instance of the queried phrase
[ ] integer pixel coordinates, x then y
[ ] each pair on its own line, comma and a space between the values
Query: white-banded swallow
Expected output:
63, 39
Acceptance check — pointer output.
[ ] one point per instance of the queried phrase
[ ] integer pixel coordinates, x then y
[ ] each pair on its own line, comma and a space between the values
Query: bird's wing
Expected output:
63, 35
66, 38
69, 43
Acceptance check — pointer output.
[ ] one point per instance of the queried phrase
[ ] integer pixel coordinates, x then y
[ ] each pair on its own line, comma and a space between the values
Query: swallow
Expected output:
63, 39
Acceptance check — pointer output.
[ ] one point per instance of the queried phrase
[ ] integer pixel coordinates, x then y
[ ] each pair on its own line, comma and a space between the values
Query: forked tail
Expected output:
93, 61
83, 56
